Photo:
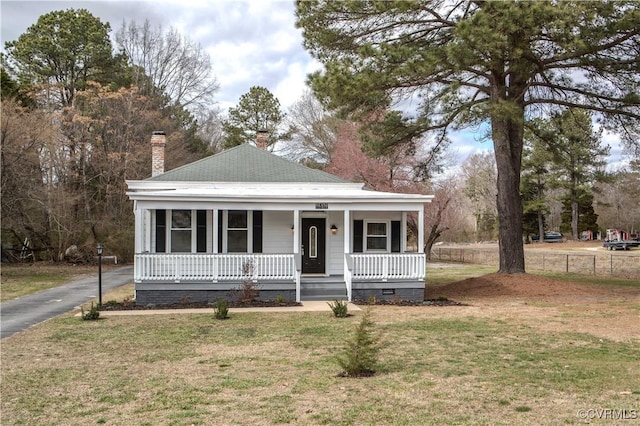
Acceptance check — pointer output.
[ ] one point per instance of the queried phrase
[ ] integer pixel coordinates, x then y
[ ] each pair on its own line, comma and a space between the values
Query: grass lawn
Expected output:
445, 273
450, 365
20, 279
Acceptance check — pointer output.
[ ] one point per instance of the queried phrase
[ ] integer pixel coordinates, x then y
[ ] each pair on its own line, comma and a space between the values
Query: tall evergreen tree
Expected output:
64, 50
258, 110
536, 180
468, 62
578, 158
587, 219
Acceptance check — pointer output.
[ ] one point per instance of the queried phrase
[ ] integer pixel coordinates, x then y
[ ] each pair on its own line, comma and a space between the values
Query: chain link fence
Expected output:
616, 265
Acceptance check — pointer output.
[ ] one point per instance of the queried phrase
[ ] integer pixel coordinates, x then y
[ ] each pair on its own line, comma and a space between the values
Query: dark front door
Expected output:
313, 245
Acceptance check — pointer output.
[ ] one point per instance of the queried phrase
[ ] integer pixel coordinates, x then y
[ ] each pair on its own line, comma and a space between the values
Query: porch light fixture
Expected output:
100, 248
292, 228
334, 229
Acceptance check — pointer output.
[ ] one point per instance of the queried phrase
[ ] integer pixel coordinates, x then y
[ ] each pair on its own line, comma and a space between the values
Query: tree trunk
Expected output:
507, 141
574, 217
432, 238
541, 226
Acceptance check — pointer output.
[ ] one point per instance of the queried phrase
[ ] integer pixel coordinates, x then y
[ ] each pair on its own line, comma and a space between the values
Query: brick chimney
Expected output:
261, 139
158, 142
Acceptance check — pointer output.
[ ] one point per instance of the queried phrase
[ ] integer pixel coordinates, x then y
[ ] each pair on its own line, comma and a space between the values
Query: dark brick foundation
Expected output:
390, 294
172, 293
168, 297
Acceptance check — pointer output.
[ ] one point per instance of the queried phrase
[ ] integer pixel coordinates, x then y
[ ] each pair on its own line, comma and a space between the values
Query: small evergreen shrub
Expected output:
92, 315
221, 309
360, 355
339, 308
280, 299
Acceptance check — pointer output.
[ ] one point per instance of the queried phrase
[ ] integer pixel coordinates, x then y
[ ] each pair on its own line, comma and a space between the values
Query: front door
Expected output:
313, 245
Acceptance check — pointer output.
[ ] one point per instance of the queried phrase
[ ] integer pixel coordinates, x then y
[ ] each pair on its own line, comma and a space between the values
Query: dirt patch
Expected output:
609, 312
525, 286
439, 301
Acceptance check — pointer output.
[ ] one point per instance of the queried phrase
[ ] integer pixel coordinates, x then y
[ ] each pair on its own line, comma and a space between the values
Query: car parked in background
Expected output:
549, 236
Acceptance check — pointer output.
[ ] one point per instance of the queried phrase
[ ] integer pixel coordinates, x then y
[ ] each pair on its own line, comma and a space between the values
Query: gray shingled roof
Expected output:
245, 163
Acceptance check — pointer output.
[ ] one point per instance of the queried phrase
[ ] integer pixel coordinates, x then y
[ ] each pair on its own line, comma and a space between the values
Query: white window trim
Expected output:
170, 228
225, 229
365, 236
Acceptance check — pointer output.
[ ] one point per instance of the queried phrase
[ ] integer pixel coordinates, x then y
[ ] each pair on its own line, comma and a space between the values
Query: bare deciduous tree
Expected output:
315, 131
617, 202
167, 64
210, 129
398, 171
479, 171
33, 202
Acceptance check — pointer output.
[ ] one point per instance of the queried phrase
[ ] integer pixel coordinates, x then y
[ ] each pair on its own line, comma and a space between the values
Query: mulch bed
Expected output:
130, 305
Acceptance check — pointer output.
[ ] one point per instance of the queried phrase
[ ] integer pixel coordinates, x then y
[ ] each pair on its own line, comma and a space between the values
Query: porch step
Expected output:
323, 289
323, 298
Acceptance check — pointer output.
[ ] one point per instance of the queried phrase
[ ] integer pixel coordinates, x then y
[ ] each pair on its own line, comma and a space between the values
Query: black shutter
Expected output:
220, 228
257, 231
201, 231
161, 231
395, 236
358, 231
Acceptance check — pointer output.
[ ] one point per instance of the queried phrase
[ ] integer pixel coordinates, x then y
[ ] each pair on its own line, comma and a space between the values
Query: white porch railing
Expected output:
386, 266
213, 267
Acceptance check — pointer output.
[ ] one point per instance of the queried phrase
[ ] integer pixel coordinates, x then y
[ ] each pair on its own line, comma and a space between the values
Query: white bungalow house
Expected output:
203, 229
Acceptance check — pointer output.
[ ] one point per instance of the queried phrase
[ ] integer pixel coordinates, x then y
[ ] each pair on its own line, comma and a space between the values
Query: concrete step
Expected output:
323, 285
324, 297
324, 288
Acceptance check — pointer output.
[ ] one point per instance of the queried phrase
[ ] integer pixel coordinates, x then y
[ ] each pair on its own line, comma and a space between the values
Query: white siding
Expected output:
277, 236
335, 244
377, 215
276, 232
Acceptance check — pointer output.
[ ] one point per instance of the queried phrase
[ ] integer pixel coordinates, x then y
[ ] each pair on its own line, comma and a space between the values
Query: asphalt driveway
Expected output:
19, 314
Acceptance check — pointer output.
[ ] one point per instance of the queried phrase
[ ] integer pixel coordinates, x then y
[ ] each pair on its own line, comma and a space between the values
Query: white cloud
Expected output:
251, 43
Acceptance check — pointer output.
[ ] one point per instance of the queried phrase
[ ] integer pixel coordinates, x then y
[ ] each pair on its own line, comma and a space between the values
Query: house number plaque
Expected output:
322, 206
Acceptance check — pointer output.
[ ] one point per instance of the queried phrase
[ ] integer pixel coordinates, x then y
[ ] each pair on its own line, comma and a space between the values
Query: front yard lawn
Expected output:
512, 363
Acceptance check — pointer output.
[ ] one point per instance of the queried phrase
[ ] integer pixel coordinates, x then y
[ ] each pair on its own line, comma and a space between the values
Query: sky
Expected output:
251, 43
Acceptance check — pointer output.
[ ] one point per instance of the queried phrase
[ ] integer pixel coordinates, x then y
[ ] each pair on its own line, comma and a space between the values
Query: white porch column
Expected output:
421, 230
403, 233
139, 227
147, 223
347, 249
296, 231
346, 226
296, 251
215, 231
